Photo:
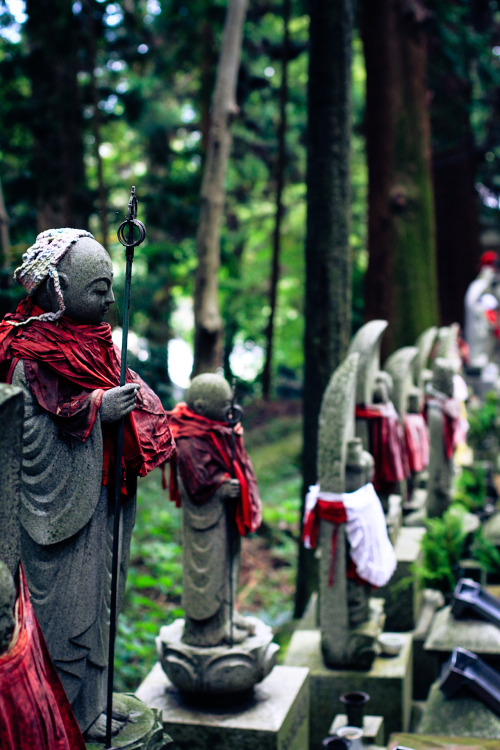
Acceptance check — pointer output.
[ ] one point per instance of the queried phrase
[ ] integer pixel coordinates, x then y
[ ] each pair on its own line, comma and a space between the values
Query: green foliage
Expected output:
470, 488
486, 554
484, 427
443, 546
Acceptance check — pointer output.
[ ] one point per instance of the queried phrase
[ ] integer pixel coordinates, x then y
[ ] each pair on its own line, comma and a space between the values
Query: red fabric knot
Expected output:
417, 442
387, 443
205, 462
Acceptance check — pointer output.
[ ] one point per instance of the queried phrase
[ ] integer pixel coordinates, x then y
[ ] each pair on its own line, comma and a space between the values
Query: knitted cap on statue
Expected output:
40, 261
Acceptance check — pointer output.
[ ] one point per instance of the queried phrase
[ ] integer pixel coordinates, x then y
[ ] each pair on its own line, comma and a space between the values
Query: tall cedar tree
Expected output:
455, 158
208, 323
401, 282
328, 262
56, 119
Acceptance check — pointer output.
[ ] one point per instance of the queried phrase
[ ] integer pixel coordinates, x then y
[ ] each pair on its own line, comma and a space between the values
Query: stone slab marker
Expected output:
401, 367
366, 342
348, 628
11, 420
424, 344
336, 427
447, 345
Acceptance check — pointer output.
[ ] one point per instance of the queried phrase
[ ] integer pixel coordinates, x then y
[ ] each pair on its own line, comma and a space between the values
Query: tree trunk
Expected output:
401, 280
454, 166
56, 116
280, 181
208, 322
328, 261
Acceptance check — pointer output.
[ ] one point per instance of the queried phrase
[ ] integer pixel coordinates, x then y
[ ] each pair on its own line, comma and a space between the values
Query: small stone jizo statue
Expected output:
220, 503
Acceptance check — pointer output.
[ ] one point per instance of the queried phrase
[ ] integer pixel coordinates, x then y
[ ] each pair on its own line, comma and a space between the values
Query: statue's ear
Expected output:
63, 280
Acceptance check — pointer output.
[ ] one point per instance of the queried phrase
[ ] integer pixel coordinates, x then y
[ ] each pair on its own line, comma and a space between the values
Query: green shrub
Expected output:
470, 488
486, 554
443, 546
484, 432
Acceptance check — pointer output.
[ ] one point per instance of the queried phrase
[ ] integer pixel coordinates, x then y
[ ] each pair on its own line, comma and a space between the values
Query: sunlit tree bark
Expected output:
401, 281
208, 322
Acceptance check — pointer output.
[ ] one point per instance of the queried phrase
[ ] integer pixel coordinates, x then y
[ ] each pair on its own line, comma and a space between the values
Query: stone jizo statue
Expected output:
345, 518
479, 298
58, 350
443, 420
220, 503
213, 653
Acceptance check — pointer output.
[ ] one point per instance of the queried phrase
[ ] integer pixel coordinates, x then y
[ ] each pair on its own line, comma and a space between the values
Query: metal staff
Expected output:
131, 224
233, 416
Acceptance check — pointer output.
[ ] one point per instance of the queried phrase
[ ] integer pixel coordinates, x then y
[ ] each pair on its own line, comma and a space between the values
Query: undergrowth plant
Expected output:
484, 424
486, 553
443, 546
470, 488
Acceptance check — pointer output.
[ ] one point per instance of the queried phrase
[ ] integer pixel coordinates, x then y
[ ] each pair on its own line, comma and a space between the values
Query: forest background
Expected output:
362, 180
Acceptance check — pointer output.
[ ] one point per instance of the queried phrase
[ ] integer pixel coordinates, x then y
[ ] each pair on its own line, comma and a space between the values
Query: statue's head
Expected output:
68, 272
415, 400
382, 392
442, 376
210, 396
360, 466
7, 601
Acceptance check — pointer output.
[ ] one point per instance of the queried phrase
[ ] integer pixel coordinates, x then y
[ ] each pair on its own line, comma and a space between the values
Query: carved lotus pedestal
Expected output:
216, 671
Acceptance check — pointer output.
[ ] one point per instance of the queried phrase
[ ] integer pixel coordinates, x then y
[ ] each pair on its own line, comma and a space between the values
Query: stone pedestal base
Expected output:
143, 732
373, 728
429, 742
216, 670
388, 682
478, 636
463, 716
425, 665
274, 717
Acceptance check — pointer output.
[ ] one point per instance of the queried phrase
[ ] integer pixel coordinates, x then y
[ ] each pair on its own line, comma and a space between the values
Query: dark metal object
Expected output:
335, 743
233, 416
354, 704
466, 670
469, 598
133, 227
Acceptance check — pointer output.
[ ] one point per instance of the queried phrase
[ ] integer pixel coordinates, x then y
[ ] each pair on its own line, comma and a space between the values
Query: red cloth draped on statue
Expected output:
335, 513
387, 444
417, 442
204, 456
35, 713
69, 366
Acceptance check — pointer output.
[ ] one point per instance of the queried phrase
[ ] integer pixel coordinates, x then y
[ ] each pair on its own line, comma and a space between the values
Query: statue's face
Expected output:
86, 276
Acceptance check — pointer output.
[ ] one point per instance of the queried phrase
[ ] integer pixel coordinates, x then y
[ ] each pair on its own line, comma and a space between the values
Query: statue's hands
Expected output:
232, 489
119, 401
